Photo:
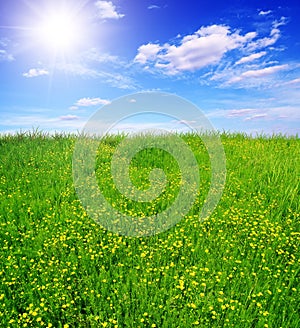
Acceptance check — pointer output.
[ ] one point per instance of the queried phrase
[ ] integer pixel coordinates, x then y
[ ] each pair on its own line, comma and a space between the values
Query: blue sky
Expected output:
238, 61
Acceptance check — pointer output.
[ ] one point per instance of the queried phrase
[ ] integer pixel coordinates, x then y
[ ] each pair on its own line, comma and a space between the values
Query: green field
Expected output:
238, 268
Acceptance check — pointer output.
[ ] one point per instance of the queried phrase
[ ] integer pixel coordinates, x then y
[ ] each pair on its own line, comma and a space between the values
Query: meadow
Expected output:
238, 268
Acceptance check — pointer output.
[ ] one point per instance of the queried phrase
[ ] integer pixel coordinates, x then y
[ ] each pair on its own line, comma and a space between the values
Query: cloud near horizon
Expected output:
69, 118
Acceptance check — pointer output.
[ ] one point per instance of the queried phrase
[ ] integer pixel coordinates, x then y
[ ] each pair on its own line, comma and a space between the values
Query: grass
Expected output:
239, 268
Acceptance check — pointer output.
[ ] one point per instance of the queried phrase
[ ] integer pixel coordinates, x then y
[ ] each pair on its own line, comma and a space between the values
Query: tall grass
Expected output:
239, 268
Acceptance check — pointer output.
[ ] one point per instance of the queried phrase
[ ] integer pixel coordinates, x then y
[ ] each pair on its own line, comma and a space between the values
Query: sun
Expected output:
59, 31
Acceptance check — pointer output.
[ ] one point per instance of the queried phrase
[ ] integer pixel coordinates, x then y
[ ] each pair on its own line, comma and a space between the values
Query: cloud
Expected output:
293, 82
271, 39
94, 55
5, 56
93, 64
256, 117
147, 52
69, 118
264, 13
107, 10
240, 112
153, 7
259, 73
77, 69
34, 72
185, 122
86, 102
205, 47
276, 112
251, 57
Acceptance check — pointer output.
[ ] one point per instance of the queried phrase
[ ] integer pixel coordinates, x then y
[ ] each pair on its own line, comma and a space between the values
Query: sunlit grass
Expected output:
239, 268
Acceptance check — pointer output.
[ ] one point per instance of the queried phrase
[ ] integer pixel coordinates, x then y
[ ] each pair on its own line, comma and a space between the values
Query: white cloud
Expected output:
205, 47
77, 69
153, 7
84, 66
259, 73
147, 52
107, 10
240, 112
264, 13
69, 118
34, 72
251, 57
5, 56
256, 117
289, 113
271, 39
293, 82
281, 22
94, 55
86, 102
267, 41
73, 107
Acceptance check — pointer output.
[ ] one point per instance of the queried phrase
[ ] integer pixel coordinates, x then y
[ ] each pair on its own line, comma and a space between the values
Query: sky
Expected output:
237, 61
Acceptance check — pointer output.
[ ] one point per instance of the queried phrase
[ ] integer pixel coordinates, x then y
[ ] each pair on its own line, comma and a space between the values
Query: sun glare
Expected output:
59, 31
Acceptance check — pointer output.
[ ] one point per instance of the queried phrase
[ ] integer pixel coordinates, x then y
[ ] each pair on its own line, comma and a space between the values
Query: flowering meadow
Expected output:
238, 268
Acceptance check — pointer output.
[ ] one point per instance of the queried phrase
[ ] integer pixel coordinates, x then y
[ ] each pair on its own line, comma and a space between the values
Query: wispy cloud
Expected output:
116, 80
77, 69
45, 123
35, 72
293, 82
5, 56
94, 55
107, 10
93, 64
69, 118
264, 13
217, 48
86, 102
259, 73
256, 117
289, 113
153, 7
251, 57
269, 40
205, 47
